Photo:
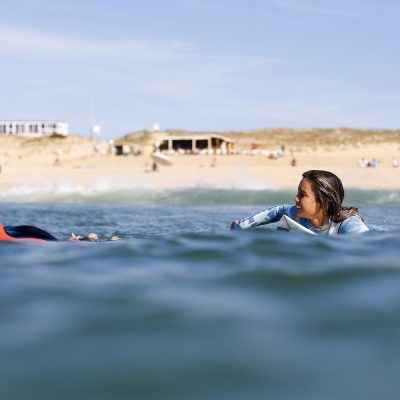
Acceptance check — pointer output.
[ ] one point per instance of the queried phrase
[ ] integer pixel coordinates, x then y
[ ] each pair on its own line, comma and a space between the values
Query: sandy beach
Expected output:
73, 162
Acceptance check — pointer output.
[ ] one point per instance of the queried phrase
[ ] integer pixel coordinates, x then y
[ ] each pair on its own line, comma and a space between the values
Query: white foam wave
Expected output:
203, 193
53, 192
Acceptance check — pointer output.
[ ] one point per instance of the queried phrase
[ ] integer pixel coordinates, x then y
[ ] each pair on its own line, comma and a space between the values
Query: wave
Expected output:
189, 196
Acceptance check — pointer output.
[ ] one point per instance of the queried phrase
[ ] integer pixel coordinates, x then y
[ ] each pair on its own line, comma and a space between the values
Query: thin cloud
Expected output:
180, 73
336, 8
192, 79
304, 6
29, 43
302, 113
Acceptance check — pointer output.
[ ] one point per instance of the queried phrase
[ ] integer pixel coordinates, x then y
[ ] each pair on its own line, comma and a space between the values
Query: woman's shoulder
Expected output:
353, 224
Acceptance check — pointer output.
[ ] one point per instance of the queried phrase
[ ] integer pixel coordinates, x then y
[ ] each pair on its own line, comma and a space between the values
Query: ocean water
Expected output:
182, 308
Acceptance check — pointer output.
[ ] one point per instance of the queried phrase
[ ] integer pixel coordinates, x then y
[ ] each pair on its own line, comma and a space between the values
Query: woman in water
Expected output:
318, 208
33, 233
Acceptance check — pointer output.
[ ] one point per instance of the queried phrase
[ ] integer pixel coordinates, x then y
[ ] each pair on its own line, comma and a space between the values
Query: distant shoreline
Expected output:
72, 161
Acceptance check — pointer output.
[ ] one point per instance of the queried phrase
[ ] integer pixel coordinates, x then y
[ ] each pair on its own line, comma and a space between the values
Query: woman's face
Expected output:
306, 203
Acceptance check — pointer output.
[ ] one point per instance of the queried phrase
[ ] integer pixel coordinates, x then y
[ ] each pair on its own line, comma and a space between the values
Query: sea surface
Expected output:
182, 308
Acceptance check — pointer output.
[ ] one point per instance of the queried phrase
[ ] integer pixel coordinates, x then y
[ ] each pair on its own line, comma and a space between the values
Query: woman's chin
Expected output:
301, 214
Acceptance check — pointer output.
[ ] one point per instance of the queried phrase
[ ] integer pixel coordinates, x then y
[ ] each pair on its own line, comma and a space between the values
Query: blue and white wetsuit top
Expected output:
352, 224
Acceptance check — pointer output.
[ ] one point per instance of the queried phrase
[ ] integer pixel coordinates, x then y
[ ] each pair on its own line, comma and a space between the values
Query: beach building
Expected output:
193, 143
33, 128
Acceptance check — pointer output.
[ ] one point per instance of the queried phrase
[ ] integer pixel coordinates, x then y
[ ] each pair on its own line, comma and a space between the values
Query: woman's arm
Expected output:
272, 214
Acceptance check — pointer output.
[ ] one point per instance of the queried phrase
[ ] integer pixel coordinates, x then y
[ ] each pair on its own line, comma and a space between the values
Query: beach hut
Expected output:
194, 143
123, 149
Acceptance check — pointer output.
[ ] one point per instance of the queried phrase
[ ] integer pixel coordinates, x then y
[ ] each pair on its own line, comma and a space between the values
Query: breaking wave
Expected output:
189, 196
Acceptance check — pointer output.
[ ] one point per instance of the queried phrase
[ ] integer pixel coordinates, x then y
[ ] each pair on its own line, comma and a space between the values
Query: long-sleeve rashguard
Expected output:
352, 224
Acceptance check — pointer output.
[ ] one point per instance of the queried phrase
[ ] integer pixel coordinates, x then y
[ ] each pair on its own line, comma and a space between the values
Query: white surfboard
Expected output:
161, 158
288, 224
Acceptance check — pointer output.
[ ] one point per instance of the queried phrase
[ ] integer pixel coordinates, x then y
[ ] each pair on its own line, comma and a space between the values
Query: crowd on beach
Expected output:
374, 163
363, 163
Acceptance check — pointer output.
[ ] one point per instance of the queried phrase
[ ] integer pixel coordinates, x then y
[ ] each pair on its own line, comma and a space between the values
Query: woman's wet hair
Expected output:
329, 193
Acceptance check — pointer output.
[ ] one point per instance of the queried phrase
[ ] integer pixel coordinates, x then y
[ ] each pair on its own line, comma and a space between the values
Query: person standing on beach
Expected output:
318, 207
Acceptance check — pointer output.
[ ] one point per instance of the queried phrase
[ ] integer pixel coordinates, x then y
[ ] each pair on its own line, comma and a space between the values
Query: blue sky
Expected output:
201, 64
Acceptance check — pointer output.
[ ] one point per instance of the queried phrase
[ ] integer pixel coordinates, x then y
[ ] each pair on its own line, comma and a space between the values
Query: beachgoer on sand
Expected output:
318, 208
374, 163
362, 162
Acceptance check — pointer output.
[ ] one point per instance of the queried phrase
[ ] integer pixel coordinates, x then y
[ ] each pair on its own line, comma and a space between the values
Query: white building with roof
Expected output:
33, 128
